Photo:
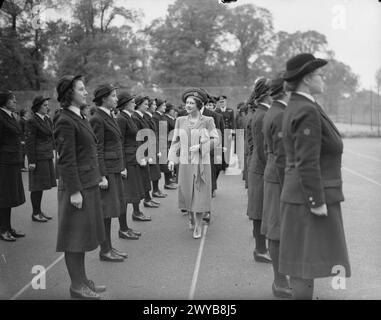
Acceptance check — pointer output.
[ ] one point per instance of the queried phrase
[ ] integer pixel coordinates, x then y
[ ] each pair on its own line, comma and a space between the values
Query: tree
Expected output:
378, 78
252, 26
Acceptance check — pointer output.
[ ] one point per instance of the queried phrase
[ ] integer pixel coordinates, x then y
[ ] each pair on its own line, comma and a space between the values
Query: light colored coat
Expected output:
194, 192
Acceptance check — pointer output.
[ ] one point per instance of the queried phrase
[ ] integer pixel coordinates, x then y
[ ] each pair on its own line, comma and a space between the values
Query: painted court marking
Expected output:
362, 176
198, 263
363, 156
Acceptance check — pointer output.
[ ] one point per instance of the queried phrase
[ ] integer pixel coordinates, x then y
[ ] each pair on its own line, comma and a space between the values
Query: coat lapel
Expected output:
11, 121
110, 121
325, 116
42, 125
84, 123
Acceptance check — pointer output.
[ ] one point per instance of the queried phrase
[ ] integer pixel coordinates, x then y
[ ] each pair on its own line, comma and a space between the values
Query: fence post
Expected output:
371, 113
378, 108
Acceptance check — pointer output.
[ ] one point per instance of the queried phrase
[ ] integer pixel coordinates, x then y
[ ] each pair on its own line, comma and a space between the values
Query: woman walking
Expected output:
133, 185
111, 165
194, 137
260, 99
11, 161
312, 240
80, 220
39, 148
273, 181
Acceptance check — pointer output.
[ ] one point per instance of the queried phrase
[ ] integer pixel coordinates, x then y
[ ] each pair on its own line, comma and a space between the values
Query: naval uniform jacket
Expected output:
274, 150
109, 147
10, 140
313, 147
258, 158
228, 117
129, 131
39, 139
77, 153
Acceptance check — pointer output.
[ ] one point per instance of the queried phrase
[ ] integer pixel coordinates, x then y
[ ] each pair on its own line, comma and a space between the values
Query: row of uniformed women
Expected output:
100, 172
295, 185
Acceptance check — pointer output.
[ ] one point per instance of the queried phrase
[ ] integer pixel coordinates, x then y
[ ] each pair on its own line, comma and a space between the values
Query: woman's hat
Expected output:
169, 107
123, 98
102, 91
37, 103
302, 64
140, 99
5, 95
64, 84
159, 102
277, 85
196, 93
260, 91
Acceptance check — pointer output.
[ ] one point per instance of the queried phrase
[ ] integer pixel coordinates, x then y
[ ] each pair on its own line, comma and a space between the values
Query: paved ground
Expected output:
167, 263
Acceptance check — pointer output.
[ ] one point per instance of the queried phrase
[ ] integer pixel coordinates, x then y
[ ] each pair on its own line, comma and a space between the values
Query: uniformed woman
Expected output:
261, 100
273, 180
111, 165
133, 185
80, 220
170, 116
195, 136
312, 240
141, 106
39, 148
11, 161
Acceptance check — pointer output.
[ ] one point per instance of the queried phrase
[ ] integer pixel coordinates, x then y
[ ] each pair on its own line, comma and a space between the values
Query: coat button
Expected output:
313, 203
311, 198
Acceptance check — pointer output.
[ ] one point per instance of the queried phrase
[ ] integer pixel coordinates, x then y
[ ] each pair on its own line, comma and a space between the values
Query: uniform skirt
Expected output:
113, 197
270, 226
154, 171
11, 186
80, 230
310, 246
43, 177
145, 178
133, 185
255, 196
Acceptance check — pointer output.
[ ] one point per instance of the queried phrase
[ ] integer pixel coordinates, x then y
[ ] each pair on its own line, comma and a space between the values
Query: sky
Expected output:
352, 27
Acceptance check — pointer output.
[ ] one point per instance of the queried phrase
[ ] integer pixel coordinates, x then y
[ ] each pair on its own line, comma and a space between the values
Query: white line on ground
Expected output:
198, 263
26, 287
362, 176
363, 156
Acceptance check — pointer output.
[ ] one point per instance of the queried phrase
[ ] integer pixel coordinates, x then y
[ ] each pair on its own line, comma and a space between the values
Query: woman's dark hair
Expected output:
292, 85
199, 104
67, 97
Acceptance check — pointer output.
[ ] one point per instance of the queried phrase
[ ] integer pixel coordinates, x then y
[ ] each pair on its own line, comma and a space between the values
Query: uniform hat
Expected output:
123, 98
159, 101
196, 93
102, 91
64, 84
277, 85
37, 103
169, 107
222, 96
5, 95
260, 91
302, 64
140, 99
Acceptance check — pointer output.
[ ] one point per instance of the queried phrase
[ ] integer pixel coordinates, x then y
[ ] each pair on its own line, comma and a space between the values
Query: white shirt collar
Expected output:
282, 102
139, 113
223, 109
159, 113
125, 111
76, 110
149, 113
202, 110
306, 95
170, 117
7, 111
265, 104
41, 116
107, 111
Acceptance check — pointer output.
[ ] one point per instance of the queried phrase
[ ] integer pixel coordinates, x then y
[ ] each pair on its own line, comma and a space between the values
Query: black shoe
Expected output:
93, 287
154, 201
134, 232
150, 204
16, 234
110, 257
262, 257
206, 218
38, 218
119, 253
128, 235
280, 292
45, 216
6, 236
84, 293
157, 194
140, 217
171, 186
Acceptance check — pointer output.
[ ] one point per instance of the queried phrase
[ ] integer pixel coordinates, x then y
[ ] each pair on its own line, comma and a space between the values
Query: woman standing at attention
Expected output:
80, 219
312, 240
195, 136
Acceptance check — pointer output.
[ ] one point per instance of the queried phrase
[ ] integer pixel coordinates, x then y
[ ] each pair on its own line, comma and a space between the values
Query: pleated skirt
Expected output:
11, 186
80, 230
270, 226
113, 198
312, 246
43, 177
133, 185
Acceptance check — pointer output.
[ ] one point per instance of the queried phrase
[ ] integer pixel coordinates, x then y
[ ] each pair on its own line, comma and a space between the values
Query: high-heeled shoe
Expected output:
197, 232
93, 287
